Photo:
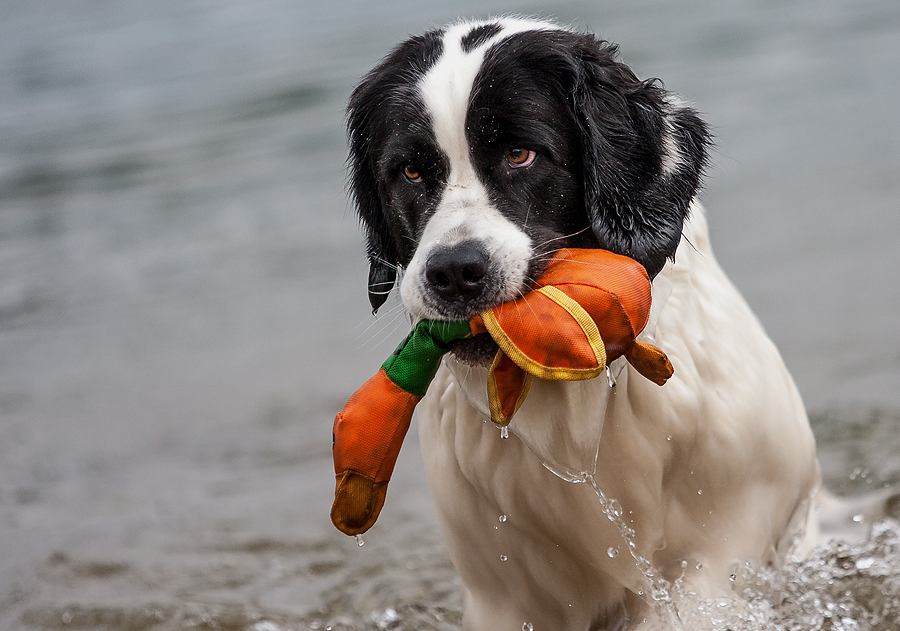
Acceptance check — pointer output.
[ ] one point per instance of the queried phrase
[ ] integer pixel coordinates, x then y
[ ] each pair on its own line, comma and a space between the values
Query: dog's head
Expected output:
480, 149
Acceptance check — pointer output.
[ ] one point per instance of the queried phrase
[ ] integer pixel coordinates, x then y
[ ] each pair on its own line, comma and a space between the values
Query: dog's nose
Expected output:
457, 273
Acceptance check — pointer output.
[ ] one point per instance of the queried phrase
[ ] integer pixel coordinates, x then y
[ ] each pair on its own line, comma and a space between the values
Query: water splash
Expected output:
837, 587
659, 589
386, 618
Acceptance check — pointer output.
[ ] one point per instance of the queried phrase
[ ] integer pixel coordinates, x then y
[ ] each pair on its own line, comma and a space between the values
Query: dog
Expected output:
476, 152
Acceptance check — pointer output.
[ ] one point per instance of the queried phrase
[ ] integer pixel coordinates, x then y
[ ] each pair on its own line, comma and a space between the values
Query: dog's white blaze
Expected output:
465, 211
465, 214
671, 158
447, 86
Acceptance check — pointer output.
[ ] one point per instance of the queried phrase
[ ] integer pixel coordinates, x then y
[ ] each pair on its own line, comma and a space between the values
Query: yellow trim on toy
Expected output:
495, 403
537, 369
584, 320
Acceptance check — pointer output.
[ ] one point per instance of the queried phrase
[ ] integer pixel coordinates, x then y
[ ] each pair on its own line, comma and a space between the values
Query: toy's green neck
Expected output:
414, 363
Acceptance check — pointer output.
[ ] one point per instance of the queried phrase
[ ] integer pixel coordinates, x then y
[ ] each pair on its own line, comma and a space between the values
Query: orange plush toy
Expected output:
585, 311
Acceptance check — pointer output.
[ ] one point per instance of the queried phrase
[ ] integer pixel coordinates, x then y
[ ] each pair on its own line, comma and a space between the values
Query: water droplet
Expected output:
610, 380
359, 541
699, 491
865, 563
857, 518
504, 432
668, 438
527, 627
611, 552
660, 594
732, 578
503, 557
699, 566
684, 564
502, 519
67, 616
386, 619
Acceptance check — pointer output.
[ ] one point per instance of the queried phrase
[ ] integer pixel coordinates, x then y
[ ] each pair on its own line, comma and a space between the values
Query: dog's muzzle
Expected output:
458, 274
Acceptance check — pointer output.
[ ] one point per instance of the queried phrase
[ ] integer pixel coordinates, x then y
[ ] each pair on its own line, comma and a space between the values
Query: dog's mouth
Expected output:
479, 350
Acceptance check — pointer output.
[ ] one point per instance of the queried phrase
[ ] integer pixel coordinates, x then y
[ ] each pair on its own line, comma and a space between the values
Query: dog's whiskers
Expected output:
392, 319
565, 236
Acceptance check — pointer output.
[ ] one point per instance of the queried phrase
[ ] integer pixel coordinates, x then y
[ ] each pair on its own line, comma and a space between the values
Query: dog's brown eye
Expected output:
518, 157
410, 173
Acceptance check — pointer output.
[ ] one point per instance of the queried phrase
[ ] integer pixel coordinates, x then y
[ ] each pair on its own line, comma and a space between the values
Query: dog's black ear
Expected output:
643, 156
381, 280
363, 125
371, 120
380, 249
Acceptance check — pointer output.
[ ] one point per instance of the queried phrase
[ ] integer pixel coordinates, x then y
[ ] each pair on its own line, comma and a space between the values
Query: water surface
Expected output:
182, 287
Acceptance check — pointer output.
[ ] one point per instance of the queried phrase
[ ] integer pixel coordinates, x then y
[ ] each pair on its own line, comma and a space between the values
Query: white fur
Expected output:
714, 468
465, 211
672, 156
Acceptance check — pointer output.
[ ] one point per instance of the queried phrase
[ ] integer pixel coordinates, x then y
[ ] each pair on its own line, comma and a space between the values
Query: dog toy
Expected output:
585, 311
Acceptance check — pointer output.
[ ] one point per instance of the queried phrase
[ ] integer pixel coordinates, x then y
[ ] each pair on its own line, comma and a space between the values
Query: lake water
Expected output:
183, 305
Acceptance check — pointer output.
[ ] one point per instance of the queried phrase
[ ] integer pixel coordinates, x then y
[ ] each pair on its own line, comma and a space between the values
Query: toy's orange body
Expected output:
586, 310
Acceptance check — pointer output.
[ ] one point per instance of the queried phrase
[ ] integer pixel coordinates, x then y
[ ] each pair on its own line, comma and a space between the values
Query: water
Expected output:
183, 309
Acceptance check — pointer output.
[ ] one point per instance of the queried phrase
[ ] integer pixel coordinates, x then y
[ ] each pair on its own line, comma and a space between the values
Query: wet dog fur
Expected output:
477, 151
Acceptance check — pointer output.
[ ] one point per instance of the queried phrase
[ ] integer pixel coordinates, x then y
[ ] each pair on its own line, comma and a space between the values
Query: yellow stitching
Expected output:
555, 373
583, 318
494, 394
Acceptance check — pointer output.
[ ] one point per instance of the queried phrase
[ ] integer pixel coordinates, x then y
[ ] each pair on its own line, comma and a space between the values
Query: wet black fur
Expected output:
598, 130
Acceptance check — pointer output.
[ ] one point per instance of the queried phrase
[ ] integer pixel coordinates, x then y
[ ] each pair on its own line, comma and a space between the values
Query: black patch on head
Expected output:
478, 36
517, 103
600, 136
388, 129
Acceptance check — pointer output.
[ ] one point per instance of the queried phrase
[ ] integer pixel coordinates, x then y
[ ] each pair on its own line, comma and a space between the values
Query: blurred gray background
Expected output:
182, 284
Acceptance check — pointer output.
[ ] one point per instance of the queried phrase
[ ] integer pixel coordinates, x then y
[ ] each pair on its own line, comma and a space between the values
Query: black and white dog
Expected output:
477, 151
